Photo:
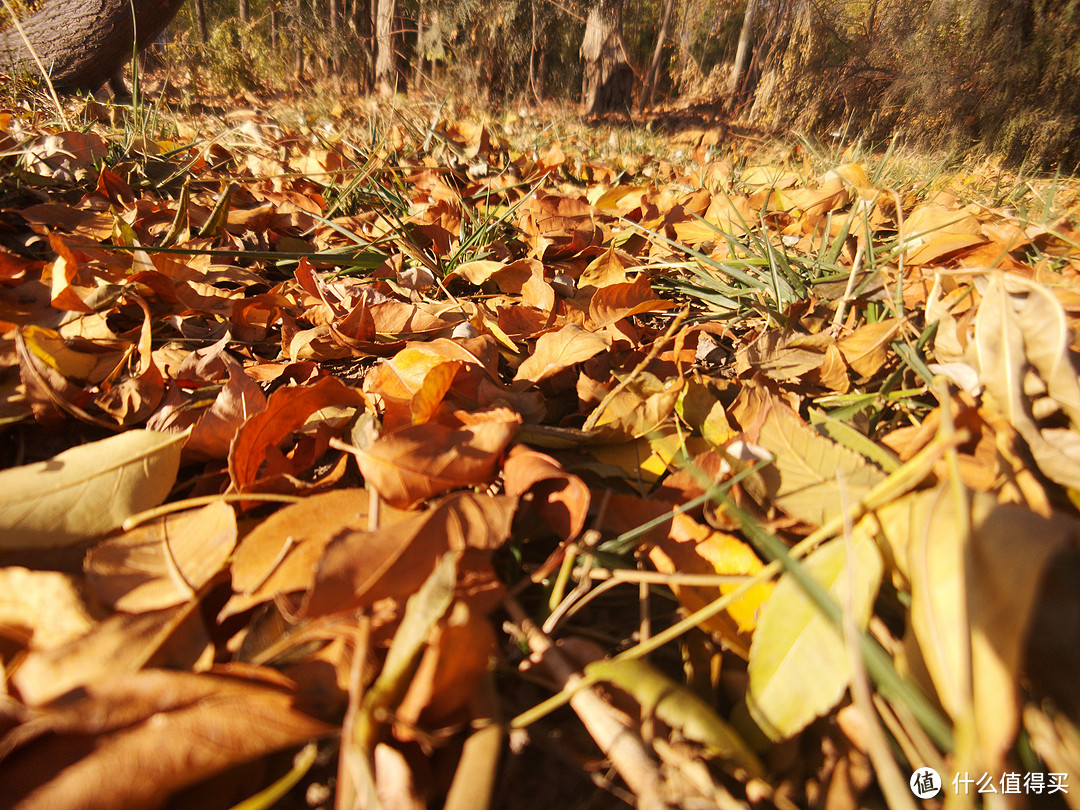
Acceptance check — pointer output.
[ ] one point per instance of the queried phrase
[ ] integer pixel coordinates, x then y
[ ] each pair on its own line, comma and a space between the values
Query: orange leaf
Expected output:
561, 349
561, 498
419, 462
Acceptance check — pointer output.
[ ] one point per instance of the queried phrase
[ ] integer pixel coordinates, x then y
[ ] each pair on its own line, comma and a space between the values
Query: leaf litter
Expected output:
401, 437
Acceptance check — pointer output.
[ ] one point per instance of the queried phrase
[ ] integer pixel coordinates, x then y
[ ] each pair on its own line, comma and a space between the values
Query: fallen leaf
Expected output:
361, 567
560, 349
799, 666
422, 461
131, 741
560, 498
86, 491
164, 563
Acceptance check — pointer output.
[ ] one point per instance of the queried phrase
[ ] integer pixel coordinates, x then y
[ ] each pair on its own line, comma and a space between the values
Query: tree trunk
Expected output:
83, 44
418, 66
648, 87
385, 73
333, 11
244, 11
608, 80
742, 53
200, 21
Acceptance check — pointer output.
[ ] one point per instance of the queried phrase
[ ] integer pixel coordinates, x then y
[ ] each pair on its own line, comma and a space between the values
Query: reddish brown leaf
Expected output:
286, 410
422, 461
132, 740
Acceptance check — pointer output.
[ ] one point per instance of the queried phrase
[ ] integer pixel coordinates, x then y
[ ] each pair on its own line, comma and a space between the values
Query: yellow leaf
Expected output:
87, 491
799, 667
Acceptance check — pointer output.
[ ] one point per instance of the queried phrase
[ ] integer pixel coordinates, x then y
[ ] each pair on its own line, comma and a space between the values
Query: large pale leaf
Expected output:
799, 667
812, 477
1010, 550
87, 491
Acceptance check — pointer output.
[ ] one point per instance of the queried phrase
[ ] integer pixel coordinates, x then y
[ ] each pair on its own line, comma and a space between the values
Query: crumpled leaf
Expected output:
287, 409
86, 491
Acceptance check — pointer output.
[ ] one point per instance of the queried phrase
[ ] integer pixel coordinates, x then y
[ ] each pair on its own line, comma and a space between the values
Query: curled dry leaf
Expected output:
164, 563
87, 491
286, 410
132, 740
422, 461
561, 498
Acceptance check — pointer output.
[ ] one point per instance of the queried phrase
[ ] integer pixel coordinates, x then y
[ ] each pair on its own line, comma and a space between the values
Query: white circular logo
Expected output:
925, 783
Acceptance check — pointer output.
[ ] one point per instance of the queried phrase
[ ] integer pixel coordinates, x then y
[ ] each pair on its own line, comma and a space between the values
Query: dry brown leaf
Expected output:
561, 498
164, 563
132, 740
281, 554
121, 644
560, 349
361, 567
422, 461
42, 609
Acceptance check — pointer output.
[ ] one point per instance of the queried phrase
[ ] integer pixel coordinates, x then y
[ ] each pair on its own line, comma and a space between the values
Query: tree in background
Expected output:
608, 80
84, 45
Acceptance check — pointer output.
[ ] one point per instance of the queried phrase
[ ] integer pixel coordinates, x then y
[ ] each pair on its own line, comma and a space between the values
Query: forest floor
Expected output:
409, 454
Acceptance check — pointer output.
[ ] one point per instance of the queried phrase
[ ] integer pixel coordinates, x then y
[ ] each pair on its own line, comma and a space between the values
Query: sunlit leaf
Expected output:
799, 665
88, 490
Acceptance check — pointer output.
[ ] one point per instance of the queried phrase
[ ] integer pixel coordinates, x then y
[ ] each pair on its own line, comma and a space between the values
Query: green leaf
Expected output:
87, 491
799, 667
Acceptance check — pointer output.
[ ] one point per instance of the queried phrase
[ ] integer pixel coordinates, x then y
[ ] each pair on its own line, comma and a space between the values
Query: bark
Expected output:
200, 21
80, 44
334, 13
385, 73
742, 53
244, 11
648, 88
608, 79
